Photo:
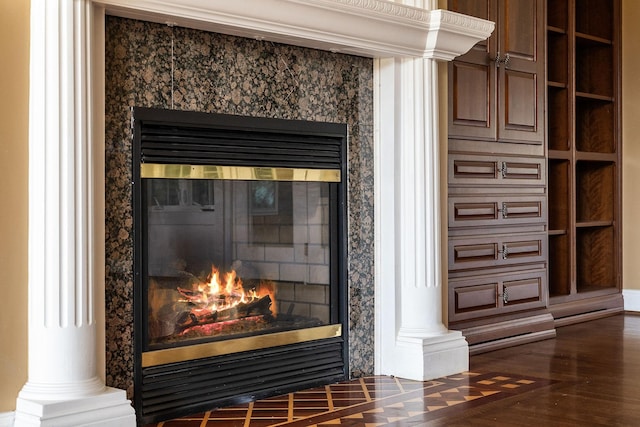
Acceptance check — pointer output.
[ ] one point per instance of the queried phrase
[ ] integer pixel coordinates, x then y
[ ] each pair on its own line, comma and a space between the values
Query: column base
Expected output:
427, 358
6, 419
107, 409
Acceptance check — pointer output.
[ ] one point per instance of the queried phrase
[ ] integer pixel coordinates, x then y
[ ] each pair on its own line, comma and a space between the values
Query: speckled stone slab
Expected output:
153, 65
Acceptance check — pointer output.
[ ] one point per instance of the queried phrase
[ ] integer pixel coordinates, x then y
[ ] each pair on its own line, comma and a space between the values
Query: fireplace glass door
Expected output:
230, 258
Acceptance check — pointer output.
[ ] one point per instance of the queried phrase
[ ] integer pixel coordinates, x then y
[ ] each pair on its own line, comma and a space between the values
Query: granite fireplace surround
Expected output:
155, 65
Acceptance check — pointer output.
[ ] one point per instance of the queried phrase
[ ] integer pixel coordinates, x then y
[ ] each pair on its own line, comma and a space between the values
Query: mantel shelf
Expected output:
374, 28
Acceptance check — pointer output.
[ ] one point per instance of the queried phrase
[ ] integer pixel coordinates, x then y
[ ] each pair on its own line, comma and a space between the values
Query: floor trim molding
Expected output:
6, 419
631, 299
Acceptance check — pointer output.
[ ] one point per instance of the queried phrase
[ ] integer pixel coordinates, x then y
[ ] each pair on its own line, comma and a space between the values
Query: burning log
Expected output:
209, 306
257, 307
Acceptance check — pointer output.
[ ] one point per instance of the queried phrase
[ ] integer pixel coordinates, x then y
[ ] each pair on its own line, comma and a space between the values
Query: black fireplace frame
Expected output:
181, 388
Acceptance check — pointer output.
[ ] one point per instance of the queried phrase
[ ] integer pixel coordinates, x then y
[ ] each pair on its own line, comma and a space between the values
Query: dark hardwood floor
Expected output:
595, 367
588, 376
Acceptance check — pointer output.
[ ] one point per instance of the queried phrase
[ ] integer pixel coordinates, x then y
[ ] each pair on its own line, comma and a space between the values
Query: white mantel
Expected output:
65, 385
373, 28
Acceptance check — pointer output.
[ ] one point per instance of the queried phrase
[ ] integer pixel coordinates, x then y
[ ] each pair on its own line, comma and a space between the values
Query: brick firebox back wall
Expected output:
153, 65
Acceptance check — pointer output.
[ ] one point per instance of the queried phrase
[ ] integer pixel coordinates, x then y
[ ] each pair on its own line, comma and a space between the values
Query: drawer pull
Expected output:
504, 210
503, 169
504, 251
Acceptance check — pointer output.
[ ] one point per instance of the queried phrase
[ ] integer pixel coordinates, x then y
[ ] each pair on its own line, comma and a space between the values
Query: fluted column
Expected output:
419, 200
63, 387
412, 340
417, 345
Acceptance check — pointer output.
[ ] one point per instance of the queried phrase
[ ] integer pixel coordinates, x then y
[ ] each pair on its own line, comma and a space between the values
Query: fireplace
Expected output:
87, 190
239, 253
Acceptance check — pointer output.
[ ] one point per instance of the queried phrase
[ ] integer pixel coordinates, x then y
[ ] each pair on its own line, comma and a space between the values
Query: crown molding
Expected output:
373, 28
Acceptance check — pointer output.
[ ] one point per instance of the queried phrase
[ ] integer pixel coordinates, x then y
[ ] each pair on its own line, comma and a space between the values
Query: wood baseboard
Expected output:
586, 309
509, 332
511, 341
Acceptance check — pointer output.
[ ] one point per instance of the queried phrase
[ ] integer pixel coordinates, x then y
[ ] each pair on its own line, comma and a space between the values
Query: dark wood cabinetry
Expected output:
497, 88
493, 169
584, 158
497, 177
534, 209
516, 291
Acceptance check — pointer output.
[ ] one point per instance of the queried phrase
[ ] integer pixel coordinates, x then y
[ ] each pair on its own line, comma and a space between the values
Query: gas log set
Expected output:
205, 303
218, 305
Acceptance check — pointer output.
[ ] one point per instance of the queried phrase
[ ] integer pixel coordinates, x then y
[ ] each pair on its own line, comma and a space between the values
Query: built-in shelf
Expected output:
583, 155
592, 224
557, 30
588, 39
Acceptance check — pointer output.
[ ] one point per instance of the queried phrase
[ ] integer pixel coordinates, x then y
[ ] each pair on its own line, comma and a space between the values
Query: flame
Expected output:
219, 293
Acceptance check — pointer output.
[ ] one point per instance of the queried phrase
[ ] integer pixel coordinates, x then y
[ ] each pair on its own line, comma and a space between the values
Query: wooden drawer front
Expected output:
495, 210
496, 294
522, 291
476, 298
467, 169
495, 251
521, 170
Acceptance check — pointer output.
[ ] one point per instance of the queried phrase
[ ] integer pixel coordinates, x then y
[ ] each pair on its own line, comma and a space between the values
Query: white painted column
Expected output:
63, 386
419, 200
417, 344
411, 338
432, 350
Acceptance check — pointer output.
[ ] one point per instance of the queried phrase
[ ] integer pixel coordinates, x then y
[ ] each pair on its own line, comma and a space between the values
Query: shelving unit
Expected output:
583, 148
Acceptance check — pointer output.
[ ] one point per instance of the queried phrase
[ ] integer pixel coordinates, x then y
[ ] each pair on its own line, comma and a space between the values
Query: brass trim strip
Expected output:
220, 348
156, 170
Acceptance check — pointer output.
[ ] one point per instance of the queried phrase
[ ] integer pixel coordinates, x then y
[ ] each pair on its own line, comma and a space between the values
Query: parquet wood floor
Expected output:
588, 376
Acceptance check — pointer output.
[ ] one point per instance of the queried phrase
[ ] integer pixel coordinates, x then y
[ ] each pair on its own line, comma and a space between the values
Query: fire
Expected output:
221, 294
216, 305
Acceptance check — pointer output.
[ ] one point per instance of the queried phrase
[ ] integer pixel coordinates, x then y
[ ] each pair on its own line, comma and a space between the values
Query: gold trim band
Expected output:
155, 170
220, 348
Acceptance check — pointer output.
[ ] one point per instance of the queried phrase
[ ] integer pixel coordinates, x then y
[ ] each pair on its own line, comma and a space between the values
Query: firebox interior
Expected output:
233, 258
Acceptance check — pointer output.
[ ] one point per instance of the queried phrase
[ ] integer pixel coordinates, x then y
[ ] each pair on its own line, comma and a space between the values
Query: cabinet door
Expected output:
521, 91
472, 80
496, 90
